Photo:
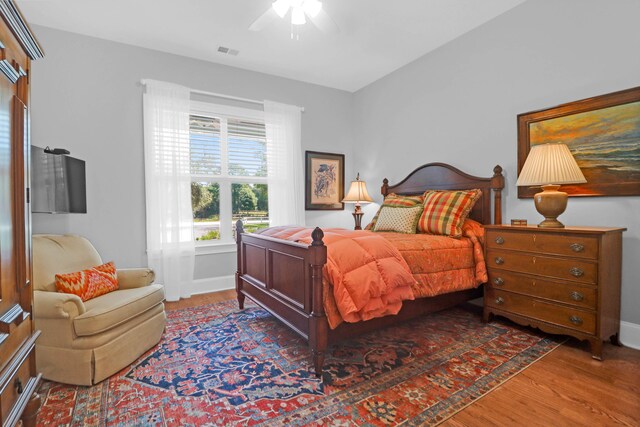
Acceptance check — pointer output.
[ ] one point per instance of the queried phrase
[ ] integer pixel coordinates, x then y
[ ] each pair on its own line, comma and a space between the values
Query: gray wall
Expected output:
459, 103
86, 97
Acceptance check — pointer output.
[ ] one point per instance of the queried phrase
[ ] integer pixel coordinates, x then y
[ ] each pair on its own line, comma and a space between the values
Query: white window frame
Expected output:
205, 109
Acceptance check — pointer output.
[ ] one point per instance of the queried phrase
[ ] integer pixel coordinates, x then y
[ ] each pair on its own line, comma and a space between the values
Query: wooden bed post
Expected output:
497, 184
239, 294
318, 326
385, 187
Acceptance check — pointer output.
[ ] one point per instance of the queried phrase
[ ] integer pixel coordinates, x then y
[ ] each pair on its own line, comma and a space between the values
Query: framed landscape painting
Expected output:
324, 181
602, 133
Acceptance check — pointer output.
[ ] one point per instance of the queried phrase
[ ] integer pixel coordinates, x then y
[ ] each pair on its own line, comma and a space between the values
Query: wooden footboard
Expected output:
285, 277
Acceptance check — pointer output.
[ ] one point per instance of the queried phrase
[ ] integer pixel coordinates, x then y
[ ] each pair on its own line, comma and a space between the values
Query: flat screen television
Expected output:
58, 183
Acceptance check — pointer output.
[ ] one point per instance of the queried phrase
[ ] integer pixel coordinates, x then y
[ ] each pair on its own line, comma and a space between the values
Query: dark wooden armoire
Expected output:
19, 402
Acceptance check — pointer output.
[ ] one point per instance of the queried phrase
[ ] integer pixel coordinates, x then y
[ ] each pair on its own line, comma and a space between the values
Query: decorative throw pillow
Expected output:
89, 283
445, 211
398, 219
395, 200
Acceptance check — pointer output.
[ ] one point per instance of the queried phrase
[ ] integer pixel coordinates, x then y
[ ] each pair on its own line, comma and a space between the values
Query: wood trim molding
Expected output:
7, 69
17, 24
12, 318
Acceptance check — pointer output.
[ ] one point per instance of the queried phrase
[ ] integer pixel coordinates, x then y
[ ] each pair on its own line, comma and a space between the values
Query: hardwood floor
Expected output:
564, 388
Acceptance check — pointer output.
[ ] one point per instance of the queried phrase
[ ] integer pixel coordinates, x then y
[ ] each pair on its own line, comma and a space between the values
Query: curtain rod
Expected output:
221, 95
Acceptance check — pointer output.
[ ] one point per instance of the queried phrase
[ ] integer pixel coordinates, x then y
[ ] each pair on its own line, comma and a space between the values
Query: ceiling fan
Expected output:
300, 11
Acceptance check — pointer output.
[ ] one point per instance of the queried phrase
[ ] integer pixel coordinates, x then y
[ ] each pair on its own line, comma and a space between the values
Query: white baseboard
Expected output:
630, 335
213, 284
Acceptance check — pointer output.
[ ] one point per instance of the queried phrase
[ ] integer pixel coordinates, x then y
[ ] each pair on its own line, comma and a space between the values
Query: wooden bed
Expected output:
285, 278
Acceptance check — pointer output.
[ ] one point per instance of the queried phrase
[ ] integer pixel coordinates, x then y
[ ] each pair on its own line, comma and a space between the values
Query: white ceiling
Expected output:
376, 37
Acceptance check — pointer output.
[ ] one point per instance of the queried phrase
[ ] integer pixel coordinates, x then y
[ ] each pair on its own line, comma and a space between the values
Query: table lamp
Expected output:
357, 194
549, 165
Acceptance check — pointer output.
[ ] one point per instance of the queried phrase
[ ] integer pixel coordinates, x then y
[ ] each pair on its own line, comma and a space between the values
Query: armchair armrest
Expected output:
129, 278
56, 305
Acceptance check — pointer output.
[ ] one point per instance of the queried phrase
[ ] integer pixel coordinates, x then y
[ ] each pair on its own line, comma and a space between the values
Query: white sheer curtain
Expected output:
170, 243
284, 163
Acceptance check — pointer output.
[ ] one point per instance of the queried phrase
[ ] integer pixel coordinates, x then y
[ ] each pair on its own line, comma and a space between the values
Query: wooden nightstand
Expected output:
562, 280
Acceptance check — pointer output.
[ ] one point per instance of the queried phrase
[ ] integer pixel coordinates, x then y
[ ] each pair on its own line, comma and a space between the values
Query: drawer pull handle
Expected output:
498, 281
576, 320
499, 260
499, 240
576, 272
499, 301
577, 296
18, 384
577, 247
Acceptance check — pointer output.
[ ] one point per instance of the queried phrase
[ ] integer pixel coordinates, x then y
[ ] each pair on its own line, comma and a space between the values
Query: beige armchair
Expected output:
85, 342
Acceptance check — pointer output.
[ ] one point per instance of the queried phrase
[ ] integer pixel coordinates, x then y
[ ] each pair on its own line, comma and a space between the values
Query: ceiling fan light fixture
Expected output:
297, 16
281, 7
312, 7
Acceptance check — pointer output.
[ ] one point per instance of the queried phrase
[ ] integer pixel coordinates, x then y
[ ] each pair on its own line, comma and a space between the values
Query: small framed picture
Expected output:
324, 181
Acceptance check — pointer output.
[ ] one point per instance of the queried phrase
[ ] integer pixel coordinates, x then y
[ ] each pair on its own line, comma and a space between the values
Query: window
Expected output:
228, 171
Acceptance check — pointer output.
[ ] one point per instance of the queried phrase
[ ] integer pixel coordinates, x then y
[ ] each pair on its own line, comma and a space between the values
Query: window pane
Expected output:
250, 204
247, 148
205, 203
205, 145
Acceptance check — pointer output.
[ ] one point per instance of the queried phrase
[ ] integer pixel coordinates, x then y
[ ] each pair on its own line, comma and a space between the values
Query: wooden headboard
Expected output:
441, 176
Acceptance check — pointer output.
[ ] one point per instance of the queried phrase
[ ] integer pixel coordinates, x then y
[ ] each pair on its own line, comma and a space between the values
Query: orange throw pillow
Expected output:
89, 283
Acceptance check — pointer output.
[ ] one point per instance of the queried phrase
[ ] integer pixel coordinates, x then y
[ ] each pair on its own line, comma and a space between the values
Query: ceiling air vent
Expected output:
228, 51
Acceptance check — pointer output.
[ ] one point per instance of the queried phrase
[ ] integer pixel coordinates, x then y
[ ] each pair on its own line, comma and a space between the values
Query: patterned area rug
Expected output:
218, 366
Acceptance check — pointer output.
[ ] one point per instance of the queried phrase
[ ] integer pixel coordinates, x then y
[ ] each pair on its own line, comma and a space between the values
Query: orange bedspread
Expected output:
442, 264
368, 276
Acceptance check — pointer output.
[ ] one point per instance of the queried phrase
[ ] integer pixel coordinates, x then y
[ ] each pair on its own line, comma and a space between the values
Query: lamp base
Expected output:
357, 216
551, 203
551, 223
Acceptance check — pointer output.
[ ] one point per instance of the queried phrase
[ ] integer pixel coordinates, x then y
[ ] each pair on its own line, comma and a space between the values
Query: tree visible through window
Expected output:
229, 174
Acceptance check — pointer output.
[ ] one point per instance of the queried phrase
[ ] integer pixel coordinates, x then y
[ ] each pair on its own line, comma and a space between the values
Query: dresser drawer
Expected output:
546, 243
560, 268
565, 292
569, 317
14, 387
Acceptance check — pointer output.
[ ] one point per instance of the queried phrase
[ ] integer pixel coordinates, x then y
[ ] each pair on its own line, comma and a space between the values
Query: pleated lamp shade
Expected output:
550, 164
357, 192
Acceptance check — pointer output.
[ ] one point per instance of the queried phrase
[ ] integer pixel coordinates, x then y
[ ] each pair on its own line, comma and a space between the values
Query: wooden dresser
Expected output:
562, 281
19, 402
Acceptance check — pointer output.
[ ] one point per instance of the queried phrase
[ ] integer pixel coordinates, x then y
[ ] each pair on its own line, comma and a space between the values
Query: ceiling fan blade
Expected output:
264, 20
324, 22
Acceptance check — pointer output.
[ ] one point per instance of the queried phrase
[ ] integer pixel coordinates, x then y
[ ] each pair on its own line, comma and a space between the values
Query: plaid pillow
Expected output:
398, 219
394, 200
445, 211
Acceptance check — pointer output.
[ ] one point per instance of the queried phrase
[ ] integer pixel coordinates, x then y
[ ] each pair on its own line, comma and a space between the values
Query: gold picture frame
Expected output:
602, 133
